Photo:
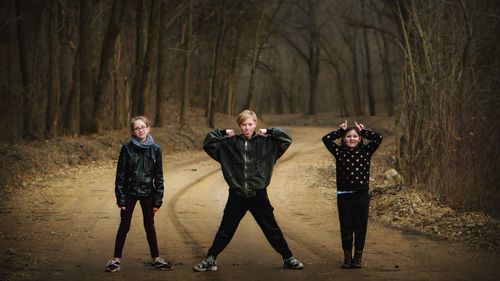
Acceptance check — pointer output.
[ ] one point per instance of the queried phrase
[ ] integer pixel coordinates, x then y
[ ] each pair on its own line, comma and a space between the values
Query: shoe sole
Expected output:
213, 268
294, 268
112, 270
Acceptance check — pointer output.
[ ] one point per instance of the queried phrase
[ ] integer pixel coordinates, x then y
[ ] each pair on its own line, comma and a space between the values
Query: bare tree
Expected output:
184, 108
449, 114
370, 91
308, 47
105, 90
86, 61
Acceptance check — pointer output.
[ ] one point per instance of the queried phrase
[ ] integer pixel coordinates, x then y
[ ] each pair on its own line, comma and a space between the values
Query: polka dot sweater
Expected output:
353, 164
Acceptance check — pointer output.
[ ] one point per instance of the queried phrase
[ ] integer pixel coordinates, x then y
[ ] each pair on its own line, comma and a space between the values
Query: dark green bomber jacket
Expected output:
247, 164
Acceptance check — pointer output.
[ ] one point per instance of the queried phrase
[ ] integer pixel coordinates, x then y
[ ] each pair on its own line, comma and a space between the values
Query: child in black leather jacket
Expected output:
139, 177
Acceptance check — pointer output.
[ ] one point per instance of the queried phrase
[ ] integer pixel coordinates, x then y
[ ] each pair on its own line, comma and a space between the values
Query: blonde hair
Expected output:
139, 117
244, 115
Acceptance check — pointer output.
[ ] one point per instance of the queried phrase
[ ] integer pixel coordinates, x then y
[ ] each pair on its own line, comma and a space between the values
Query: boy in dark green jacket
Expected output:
247, 160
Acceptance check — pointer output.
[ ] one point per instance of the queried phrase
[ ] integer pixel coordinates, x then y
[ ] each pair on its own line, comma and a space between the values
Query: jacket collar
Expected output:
254, 135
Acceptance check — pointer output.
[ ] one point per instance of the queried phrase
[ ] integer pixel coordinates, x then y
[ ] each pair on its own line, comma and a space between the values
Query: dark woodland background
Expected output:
71, 67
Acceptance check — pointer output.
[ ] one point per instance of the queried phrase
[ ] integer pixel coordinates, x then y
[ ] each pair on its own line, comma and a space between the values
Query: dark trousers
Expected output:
353, 216
262, 211
149, 224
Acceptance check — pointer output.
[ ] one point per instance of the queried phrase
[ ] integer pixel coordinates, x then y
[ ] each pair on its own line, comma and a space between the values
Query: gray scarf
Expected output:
146, 144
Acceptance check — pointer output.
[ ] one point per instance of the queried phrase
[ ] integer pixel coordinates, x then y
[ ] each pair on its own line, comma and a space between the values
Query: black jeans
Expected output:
262, 211
353, 216
148, 219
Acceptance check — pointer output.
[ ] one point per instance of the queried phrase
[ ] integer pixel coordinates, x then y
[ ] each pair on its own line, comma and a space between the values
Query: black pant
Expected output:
149, 224
262, 211
353, 216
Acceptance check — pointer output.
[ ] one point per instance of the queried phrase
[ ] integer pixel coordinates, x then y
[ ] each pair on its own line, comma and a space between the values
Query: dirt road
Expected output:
65, 229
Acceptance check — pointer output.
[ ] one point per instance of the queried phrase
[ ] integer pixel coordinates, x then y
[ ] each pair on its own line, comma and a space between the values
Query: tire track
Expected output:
311, 246
179, 226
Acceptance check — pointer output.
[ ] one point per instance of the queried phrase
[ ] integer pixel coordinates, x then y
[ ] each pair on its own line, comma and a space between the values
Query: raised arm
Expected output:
211, 145
283, 140
329, 140
374, 138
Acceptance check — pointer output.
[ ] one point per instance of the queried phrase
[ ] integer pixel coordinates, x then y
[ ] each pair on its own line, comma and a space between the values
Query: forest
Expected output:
77, 67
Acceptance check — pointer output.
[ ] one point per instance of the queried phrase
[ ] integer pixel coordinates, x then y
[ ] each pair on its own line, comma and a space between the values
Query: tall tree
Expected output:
310, 37
145, 90
212, 95
140, 50
370, 91
86, 61
54, 89
184, 108
105, 90
257, 47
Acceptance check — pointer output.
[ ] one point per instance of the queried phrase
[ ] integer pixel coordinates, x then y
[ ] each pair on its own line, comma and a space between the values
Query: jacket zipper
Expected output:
141, 171
246, 167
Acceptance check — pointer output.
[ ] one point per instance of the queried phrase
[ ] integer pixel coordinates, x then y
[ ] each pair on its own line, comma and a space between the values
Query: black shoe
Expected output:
162, 264
356, 263
347, 260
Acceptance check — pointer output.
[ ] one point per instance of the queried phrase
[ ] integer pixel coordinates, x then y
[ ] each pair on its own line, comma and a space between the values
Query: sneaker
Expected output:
292, 263
162, 264
112, 266
208, 264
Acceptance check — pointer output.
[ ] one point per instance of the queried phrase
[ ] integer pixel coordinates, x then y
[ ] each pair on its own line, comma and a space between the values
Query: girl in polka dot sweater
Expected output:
352, 158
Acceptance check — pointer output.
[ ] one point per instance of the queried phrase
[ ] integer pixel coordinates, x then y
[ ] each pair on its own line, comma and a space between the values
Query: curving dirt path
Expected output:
65, 229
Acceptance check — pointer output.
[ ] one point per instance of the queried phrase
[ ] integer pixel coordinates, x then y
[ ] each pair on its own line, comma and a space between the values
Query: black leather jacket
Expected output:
247, 164
139, 172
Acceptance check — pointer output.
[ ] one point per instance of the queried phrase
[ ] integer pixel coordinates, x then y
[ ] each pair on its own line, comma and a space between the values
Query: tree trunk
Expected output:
11, 84
145, 99
68, 37
86, 50
184, 108
212, 97
313, 73
40, 68
163, 66
140, 49
387, 71
73, 103
255, 58
358, 108
233, 75
369, 75
53, 109
105, 90
27, 91
121, 91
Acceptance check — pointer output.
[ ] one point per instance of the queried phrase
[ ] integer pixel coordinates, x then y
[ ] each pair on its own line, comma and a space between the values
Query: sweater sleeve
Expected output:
329, 141
121, 177
283, 140
212, 142
374, 138
158, 180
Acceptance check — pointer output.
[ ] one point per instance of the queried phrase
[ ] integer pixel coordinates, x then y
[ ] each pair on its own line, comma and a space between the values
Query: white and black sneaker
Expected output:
112, 266
162, 264
292, 263
208, 264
